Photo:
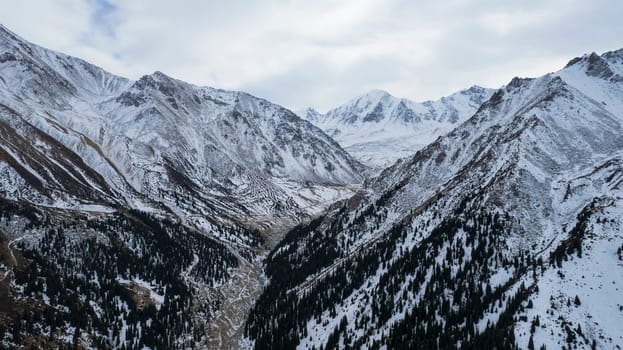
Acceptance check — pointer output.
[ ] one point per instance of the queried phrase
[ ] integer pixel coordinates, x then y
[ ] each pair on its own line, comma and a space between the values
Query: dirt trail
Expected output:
6, 252
237, 297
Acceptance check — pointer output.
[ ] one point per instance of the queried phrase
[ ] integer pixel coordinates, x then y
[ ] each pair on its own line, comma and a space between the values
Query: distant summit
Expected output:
378, 128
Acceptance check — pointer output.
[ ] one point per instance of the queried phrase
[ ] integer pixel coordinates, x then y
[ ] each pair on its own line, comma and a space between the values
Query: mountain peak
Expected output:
376, 94
574, 61
592, 58
160, 75
153, 80
594, 64
310, 114
311, 111
614, 54
476, 89
4, 30
6, 35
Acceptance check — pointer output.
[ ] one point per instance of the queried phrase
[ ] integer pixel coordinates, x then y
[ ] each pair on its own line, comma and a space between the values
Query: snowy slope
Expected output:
378, 128
160, 140
466, 242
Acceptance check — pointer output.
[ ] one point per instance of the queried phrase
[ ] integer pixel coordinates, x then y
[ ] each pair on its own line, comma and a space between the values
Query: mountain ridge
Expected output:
466, 243
155, 102
378, 128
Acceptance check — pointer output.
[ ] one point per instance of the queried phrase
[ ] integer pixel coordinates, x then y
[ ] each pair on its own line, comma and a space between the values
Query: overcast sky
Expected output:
321, 53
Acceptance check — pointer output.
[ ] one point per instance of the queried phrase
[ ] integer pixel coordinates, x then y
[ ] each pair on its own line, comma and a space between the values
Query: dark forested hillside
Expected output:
449, 272
111, 280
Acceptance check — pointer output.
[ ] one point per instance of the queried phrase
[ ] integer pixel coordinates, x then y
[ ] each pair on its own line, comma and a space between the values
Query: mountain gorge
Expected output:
154, 213
131, 209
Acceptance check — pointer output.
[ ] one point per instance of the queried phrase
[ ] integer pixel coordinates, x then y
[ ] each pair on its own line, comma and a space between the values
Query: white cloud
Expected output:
323, 52
56, 23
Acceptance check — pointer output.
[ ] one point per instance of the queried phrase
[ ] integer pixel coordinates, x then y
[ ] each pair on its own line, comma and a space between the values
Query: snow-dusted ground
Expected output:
595, 278
154, 296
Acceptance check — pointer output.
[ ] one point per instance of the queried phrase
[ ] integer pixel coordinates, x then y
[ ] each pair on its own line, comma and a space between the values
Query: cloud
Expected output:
104, 16
321, 53
54, 23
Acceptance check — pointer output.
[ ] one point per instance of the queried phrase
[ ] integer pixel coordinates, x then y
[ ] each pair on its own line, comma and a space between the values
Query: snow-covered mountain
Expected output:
153, 197
504, 233
378, 128
156, 140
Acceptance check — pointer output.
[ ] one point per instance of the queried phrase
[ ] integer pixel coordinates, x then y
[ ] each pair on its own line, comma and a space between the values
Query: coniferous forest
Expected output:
120, 280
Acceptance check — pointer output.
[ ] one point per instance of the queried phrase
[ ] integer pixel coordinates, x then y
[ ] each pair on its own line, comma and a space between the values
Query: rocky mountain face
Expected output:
131, 210
147, 138
378, 128
504, 233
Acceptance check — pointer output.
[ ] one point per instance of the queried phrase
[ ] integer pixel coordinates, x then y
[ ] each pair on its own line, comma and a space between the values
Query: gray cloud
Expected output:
321, 53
